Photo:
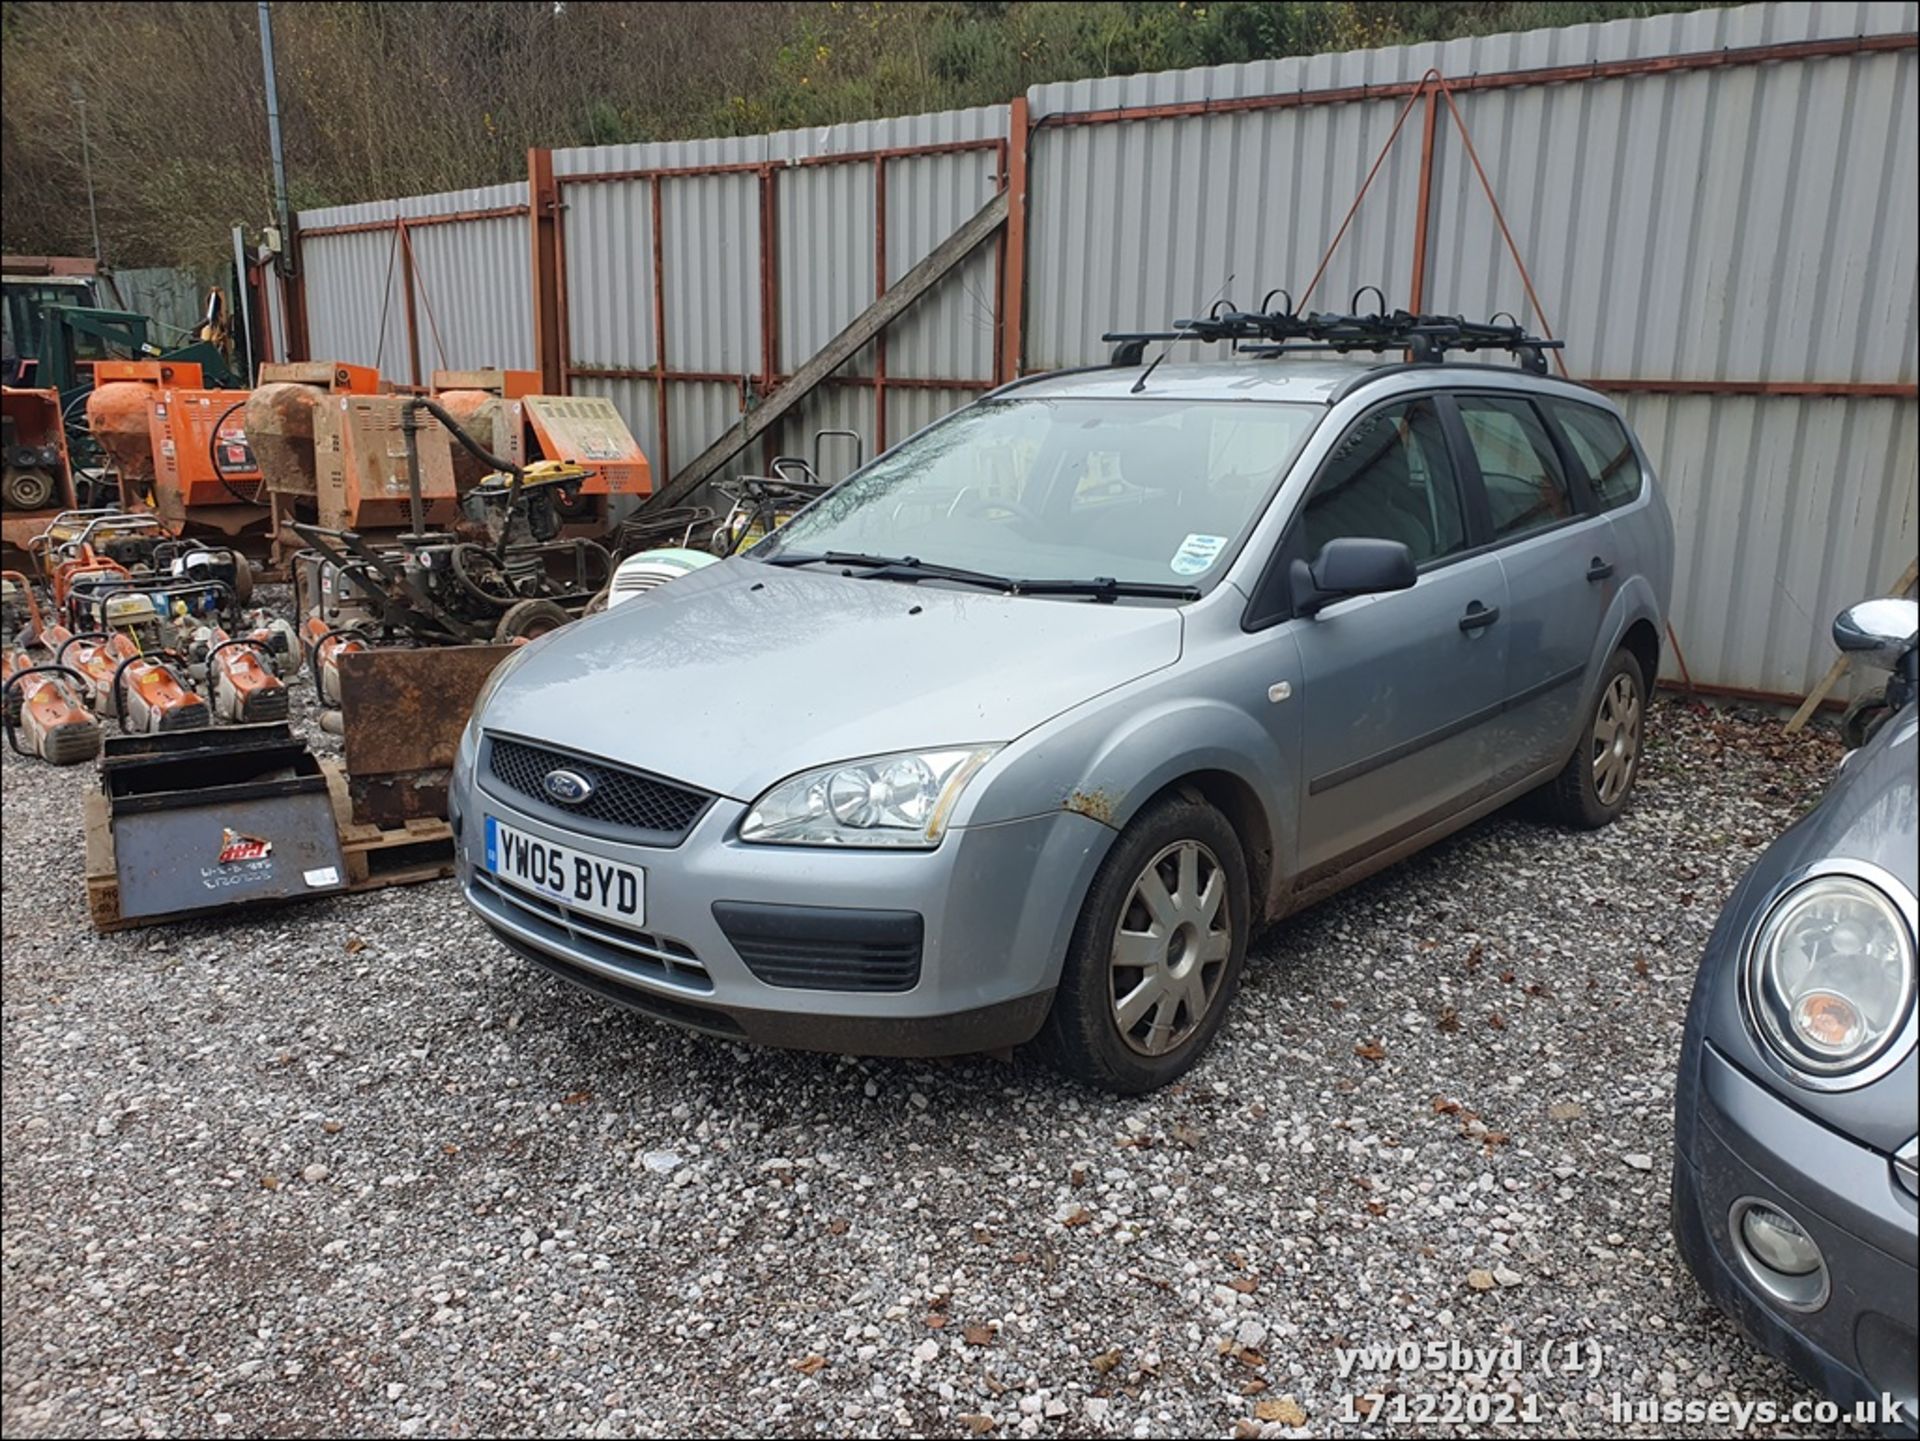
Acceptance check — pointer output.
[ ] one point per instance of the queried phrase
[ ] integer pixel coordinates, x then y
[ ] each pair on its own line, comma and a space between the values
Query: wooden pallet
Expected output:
421, 850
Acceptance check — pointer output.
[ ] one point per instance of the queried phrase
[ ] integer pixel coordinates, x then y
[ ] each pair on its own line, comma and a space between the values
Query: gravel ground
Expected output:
352, 1168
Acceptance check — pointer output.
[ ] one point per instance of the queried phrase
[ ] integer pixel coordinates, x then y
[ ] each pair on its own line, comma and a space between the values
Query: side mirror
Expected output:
1350, 565
1878, 632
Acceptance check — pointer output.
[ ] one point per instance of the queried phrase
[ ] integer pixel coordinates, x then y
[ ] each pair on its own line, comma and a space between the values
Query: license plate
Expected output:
576, 879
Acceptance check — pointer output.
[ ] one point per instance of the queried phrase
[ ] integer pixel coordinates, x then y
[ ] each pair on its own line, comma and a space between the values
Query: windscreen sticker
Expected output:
1197, 553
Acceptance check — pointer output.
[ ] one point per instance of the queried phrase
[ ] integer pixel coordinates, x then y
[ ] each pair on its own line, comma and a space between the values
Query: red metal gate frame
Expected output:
553, 336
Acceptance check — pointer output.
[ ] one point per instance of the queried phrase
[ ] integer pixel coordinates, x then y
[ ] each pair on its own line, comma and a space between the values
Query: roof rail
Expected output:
1269, 331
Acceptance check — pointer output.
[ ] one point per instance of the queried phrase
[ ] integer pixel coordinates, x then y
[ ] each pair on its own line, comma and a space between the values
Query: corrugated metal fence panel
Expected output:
356, 299
1715, 224
174, 299
1788, 509
474, 292
1132, 226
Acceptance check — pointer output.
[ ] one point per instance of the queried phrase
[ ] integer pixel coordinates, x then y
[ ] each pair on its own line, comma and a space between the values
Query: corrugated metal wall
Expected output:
473, 288
1750, 224
823, 274
1697, 234
173, 298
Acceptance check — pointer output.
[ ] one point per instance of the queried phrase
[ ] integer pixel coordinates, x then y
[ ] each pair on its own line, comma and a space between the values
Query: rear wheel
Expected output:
1156, 956
1598, 778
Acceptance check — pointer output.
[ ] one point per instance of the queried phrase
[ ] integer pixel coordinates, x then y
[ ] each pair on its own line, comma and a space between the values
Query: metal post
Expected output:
86, 167
1014, 273
273, 141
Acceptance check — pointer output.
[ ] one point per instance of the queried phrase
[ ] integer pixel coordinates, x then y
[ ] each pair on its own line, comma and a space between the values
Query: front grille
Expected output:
825, 948
659, 811
640, 953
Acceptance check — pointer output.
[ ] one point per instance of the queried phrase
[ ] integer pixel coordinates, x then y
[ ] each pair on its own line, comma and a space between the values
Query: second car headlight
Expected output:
1830, 979
901, 800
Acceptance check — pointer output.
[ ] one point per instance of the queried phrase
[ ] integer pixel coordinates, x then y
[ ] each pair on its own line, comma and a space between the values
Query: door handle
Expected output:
1599, 569
1479, 616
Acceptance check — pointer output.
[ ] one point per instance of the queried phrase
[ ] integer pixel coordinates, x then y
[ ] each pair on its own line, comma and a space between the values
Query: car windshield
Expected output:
1137, 491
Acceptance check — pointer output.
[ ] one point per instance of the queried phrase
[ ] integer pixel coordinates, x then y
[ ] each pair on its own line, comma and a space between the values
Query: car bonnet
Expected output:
738, 675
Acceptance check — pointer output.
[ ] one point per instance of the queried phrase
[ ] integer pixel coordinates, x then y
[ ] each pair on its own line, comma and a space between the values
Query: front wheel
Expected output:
1598, 779
1157, 953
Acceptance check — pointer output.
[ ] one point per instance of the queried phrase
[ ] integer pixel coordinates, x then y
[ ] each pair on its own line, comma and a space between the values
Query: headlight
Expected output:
899, 800
1830, 978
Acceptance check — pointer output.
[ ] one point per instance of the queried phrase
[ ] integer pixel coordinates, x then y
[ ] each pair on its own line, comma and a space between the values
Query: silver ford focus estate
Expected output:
1021, 730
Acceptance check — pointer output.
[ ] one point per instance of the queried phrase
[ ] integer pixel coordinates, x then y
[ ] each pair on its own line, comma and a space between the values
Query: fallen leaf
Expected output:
1641, 968
809, 1365
1283, 1409
1106, 1360
936, 1321
1370, 1051
1020, 1258
1249, 1358
1078, 1216
333, 1128
1474, 955
1364, 1405
1253, 1386
1245, 1285
269, 1183
1506, 977
1185, 1135
977, 1422
979, 1334
837, 1226
1496, 1020
1480, 1280
1445, 1107
576, 1098
1449, 1019
1377, 1208
355, 945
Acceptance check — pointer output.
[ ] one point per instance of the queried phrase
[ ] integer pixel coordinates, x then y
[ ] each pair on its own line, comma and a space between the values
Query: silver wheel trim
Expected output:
1616, 739
1170, 949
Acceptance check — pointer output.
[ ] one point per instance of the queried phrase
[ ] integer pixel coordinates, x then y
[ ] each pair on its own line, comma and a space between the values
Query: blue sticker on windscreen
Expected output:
1197, 553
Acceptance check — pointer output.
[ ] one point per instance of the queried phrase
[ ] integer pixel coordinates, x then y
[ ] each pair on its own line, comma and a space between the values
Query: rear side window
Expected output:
1526, 490
1601, 444
1390, 479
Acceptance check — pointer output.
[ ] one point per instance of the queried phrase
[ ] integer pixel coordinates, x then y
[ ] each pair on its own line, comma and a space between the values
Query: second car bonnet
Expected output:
741, 674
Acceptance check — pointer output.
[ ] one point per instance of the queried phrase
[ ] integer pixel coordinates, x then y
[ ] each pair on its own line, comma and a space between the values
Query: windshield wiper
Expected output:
1105, 587
900, 567
911, 568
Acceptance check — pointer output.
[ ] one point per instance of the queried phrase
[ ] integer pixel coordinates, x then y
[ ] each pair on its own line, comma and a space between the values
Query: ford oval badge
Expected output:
568, 787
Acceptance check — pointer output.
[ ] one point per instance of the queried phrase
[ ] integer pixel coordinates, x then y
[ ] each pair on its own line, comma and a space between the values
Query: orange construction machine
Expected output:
500, 409
178, 448
38, 479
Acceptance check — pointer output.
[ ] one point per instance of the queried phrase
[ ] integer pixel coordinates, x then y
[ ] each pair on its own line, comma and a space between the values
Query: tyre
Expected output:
1156, 955
1597, 781
529, 618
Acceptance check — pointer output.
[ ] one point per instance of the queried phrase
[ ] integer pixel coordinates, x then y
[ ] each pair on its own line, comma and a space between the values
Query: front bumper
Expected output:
997, 905
1743, 1140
